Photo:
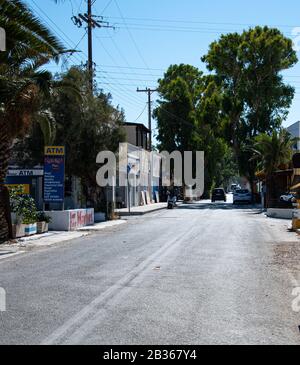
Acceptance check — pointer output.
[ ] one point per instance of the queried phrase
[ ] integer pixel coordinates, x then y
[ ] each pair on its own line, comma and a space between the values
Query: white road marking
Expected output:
79, 319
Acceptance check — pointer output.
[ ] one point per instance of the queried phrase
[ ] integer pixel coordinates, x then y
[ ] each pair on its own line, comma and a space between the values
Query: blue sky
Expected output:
151, 35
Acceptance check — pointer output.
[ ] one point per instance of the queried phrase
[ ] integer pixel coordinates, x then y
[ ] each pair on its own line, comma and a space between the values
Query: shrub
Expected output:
23, 206
43, 217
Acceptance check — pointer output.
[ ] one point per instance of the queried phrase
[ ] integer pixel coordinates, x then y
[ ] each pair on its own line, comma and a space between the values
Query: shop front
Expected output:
31, 180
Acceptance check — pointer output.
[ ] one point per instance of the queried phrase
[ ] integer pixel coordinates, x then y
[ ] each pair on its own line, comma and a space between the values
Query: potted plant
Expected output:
29, 216
18, 228
43, 221
30, 226
24, 209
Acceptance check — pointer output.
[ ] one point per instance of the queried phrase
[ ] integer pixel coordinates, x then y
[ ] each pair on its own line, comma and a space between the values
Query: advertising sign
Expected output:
54, 174
81, 218
26, 173
25, 188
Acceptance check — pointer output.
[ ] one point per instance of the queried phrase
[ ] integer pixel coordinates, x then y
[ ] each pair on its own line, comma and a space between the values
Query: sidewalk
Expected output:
145, 209
24, 244
102, 225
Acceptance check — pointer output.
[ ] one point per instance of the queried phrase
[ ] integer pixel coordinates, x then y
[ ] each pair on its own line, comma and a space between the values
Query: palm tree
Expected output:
273, 152
30, 45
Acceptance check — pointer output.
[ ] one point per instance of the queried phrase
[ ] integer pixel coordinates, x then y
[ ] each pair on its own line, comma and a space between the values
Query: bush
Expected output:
43, 217
23, 206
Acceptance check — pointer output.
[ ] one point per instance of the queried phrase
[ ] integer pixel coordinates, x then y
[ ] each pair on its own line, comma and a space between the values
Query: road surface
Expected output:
200, 274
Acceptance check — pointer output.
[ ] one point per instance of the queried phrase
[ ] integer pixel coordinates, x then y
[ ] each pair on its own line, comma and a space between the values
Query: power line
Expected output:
59, 29
132, 38
106, 7
182, 30
113, 60
120, 52
92, 22
127, 73
126, 91
132, 67
116, 83
81, 39
201, 22
142, 112
128, 79
79, 7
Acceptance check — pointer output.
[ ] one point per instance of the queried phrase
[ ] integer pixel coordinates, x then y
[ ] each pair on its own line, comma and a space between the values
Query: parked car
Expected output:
218, 195
288, 197
233, 188
242, 196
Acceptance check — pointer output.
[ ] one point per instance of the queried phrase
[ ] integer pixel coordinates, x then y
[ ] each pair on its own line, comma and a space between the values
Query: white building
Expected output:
142, 168
294, 130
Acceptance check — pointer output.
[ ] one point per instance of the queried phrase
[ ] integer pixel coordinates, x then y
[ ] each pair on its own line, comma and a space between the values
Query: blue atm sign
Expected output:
54, 151
54, 174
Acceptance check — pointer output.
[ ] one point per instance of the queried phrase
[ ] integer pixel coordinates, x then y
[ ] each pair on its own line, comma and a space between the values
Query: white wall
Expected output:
294, 130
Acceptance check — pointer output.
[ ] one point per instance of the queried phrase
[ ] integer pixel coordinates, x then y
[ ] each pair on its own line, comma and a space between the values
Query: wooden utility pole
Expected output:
92, 22
149, 92
90, 43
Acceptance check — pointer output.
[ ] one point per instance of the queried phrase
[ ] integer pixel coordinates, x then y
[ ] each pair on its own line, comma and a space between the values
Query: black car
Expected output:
218, 195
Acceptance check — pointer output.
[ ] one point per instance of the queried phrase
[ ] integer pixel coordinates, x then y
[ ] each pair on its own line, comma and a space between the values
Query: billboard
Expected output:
54, 174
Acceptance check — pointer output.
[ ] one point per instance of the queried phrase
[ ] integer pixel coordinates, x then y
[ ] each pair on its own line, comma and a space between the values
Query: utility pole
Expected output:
92, 22
149, 92
90, 42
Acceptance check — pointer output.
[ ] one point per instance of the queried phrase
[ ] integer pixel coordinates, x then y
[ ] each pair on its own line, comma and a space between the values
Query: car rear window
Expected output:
219, 191
242, 191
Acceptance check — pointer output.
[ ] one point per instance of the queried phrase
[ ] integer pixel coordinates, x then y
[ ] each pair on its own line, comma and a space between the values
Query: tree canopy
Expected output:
248, 67
223, 112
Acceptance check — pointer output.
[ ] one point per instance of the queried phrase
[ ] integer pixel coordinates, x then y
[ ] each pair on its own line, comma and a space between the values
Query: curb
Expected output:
101, 226
132, 214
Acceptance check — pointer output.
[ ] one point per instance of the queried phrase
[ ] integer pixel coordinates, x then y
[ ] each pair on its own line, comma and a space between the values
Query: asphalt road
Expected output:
200, 274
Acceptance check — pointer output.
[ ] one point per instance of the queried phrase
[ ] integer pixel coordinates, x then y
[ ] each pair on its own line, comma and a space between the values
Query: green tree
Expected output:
30, 45
189, 119
248, 67
86, 126
179, 91
273, 152
84, 123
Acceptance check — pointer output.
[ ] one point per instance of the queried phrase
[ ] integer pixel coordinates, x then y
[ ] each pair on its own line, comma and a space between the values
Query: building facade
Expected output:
137, 135
294, 130
138, 177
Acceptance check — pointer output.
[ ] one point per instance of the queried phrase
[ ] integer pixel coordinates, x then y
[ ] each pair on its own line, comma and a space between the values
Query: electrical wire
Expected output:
51, 27
200, 22
141, 113
132, 38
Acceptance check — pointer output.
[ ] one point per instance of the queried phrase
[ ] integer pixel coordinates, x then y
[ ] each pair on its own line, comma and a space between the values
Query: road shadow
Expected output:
220, 206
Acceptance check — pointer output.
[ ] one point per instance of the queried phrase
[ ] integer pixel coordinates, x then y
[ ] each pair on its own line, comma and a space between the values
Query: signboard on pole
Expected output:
54, 174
